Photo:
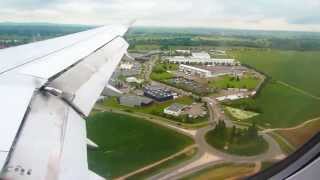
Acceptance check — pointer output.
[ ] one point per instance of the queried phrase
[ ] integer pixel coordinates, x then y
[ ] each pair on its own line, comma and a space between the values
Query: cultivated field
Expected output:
127, 143
297, 68
292, 96
280, 106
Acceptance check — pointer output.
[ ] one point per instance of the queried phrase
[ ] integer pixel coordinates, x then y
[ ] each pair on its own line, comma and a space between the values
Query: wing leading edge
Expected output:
48, 134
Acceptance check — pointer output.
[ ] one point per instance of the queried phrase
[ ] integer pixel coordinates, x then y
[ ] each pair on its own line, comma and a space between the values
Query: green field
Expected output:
127, 143
224, 82
240, 114
290, 98
160, 71
280, 106
297, 68
165, 165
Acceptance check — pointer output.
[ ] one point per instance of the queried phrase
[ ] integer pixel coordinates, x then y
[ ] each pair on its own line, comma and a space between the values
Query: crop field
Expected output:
241, 114
297, 68
127, 143
291, 97
280, 106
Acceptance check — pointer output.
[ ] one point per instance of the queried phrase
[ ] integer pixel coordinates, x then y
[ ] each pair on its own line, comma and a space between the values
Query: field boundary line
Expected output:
292, 128
157, 163
299, 90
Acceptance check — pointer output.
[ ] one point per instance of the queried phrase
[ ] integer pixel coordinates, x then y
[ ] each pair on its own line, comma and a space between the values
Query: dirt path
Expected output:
157, 163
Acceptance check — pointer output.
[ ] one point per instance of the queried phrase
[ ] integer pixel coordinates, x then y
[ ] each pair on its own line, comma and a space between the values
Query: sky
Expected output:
296, 15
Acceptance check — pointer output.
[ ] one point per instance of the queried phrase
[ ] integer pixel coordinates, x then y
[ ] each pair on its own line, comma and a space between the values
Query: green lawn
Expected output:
280, 106
161, 76
297, 68
224, 82
241, 114
127, 143
160, 71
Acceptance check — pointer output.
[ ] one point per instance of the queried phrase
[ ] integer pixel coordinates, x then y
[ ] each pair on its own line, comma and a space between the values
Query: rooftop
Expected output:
175, 107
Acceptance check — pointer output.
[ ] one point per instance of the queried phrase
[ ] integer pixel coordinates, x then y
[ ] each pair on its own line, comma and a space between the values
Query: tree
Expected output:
233, 134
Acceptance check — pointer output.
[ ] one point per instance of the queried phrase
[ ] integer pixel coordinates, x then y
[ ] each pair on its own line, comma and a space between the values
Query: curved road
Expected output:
205, 150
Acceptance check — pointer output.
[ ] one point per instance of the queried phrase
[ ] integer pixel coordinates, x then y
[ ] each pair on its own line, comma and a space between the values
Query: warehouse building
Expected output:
134, 101
174, 110
158, 93
195, 71
201, 58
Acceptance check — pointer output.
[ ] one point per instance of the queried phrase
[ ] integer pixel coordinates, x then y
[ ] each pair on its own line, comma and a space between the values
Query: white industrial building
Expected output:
201, 58
126, 66
174, 110
195, 71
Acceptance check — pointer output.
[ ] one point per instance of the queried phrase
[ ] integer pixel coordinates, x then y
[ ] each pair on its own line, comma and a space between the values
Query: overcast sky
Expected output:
244, 14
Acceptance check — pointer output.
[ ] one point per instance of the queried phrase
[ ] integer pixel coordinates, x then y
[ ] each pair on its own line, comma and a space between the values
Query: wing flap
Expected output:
88, 78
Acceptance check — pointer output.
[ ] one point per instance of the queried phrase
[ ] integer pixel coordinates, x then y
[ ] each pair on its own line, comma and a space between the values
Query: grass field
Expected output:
161, 76
295, 98
297, 68
221, 172
280, 106
168, 164
299, 136
240, 114
227, 81
127, 143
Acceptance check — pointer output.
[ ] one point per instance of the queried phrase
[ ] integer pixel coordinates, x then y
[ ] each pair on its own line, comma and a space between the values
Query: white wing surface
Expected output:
47, 89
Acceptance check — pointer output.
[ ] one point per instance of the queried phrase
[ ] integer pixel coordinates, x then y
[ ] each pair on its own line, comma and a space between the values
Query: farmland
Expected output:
280, 106
290, 97
127, 143
297, 68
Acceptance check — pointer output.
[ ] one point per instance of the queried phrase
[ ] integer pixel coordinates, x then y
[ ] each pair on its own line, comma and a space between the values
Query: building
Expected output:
158, 93
201, 55
201, 58
134, 80
134, 101
195, 71
174, 109
126, 66
183, 51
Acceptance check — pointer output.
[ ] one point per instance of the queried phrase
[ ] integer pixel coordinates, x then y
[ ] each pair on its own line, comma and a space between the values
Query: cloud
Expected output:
253, 14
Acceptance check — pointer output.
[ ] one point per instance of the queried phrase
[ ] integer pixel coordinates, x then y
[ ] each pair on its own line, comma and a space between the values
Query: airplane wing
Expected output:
47, 89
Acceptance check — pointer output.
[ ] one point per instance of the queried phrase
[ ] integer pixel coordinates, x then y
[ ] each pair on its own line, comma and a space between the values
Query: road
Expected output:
208, 156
